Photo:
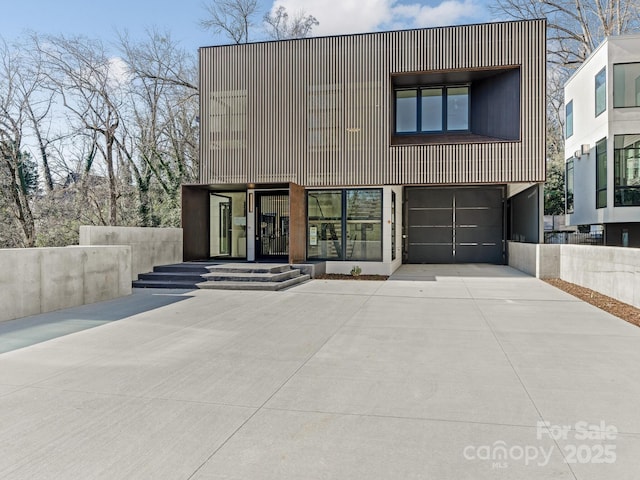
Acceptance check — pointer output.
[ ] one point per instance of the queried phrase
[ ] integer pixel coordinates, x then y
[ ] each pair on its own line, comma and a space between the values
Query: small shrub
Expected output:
356, 271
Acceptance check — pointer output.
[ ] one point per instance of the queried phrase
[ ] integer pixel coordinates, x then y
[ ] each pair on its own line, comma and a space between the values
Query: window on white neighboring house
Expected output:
568, 183
569, 119
601, 173
626, 85
626, 165
601, 91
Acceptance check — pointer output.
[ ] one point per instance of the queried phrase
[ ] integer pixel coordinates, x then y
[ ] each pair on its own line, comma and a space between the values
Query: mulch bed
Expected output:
615, 307
336, 276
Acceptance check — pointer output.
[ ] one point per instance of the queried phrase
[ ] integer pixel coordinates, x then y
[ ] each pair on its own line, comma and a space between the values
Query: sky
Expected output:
103, 20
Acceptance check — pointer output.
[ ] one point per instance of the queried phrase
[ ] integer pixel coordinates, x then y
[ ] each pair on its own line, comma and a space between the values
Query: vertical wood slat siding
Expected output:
351, 77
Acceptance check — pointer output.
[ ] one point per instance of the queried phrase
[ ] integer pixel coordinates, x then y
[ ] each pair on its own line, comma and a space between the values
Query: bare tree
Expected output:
233, 18
575, 27
280, 26
18, 179
88, 82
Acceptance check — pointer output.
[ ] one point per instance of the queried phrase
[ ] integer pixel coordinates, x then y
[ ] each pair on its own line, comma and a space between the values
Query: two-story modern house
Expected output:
415, 146
602, 146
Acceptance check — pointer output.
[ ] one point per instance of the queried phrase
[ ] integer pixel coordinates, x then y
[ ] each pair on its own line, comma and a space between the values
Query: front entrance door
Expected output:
272, 225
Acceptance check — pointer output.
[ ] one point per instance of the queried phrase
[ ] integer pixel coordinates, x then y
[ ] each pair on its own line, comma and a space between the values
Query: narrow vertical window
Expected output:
601, 91
406, 111
431, 110
569, 119
568, 183
601, 173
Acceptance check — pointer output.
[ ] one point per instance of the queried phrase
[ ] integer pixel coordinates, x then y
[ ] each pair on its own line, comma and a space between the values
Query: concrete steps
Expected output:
231, 276
252, 276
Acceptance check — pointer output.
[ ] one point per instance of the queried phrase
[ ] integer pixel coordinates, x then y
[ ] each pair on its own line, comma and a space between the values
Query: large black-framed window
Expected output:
568, 186
626, 161
626, 85
568, 116
601, 91
440, 109
344, 224
601, 173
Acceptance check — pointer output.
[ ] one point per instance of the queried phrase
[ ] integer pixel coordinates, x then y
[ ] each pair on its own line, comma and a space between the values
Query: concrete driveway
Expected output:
438, 373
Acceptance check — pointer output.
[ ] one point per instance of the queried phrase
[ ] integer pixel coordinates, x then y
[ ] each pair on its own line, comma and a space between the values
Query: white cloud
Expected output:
354, 16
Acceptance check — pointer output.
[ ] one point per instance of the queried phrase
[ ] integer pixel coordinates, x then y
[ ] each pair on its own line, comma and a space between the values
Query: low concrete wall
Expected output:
538, 260
612, 271
39, 280
149, 246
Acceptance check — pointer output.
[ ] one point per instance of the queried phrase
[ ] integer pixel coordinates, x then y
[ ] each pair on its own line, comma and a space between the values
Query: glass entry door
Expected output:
227, 235
272, 229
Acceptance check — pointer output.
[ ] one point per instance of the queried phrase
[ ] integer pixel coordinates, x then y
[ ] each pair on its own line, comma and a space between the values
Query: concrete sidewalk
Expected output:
422, 376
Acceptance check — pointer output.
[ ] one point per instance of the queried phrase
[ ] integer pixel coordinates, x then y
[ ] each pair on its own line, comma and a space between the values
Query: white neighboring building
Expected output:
602, 146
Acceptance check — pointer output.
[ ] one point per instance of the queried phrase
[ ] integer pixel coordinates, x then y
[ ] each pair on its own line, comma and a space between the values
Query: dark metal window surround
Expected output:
601, 173
569, 119
601, 91
626, 85
626, 158
432, 109
344, 224
568, 183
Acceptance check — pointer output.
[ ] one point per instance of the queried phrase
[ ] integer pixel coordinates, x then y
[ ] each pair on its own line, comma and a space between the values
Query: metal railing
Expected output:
574, 238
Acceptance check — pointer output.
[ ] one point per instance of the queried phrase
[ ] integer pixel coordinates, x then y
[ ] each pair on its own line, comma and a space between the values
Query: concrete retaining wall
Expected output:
39, 280
149, 246
538, 260
612, 271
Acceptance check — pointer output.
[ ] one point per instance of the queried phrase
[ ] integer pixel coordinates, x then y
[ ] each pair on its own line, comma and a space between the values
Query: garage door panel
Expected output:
479, 254
431, 197
479, 235
431, 254
479, 217
475, 197
421, 235
430, 217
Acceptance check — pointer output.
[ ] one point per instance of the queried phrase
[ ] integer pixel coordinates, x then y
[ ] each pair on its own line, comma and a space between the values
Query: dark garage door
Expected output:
447, 225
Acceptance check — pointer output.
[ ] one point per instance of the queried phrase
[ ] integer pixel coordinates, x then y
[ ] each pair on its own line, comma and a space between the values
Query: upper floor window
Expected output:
601, 91
432, 109
626, 85
569, 119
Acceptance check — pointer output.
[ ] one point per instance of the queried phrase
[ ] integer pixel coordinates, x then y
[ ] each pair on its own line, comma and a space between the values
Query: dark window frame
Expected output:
568, 132
569, 186
444, 96
618, 189
614, 85
602, 72
343, 222
600, 185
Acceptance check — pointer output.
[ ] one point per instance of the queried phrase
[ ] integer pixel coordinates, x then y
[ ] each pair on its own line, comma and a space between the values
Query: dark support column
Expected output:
297, 224
195, 222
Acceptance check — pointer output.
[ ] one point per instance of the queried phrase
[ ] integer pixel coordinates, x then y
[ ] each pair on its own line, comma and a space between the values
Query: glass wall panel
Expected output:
431, 110
601, 91
458, 108
364, 225
569, 119
406, 111
626, 155
601, 173
626, 85
324, 231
